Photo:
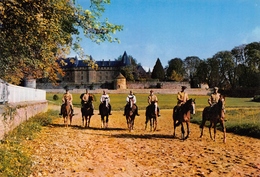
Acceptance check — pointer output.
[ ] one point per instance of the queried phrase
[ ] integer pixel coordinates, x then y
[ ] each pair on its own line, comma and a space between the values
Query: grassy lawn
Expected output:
166, 101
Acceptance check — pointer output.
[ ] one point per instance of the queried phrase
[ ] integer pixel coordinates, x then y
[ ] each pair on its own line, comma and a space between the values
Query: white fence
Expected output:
13, 94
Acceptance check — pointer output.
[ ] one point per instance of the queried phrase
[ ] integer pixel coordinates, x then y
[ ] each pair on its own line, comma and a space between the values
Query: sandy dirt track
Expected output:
80, 152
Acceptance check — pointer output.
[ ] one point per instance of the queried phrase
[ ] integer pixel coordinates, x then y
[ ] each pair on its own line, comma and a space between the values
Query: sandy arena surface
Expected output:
80, 152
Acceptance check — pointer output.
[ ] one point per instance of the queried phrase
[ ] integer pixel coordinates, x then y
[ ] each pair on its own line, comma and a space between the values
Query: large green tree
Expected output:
175, 70
158, 71
35, 34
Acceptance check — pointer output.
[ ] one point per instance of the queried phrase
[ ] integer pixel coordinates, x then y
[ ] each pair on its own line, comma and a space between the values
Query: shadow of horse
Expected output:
130, 114
151, 115
87, 112
66, 112
215, 115
181, 115
104, 113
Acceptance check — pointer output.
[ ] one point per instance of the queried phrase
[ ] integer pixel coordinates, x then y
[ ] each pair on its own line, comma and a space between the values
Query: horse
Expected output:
215, 115
151, 115
104, 112
182, 114
87, 111
130, 114
66, 112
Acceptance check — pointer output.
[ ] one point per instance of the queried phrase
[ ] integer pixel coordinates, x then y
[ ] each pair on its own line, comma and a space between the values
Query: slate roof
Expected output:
80, 63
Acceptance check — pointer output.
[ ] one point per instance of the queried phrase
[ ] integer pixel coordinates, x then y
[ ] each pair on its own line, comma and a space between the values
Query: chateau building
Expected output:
77, 72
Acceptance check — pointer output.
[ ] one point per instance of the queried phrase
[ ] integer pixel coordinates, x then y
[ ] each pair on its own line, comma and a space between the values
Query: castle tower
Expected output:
120, 82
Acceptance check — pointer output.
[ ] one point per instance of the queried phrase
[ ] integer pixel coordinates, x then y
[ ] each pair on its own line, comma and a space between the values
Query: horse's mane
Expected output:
186, 106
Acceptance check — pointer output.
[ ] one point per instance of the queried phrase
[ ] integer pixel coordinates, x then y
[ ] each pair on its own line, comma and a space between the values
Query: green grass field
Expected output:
166, 101
242, 114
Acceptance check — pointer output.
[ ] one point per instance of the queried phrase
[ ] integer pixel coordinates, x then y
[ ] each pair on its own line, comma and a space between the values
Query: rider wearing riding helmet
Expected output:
128, 98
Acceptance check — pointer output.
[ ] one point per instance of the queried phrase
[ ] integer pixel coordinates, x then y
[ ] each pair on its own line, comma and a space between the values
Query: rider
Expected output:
214, 98
182, 97
68, 96
105, 96
128, 98
85, 98
153, 98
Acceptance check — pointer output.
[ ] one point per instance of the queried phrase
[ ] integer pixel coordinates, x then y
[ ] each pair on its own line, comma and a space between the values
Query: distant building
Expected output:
78, 73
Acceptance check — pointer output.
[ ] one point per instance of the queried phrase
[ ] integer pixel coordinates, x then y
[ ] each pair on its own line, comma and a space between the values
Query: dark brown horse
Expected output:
87, 111
182, 115
215, 115
66, 112
104, 113
151, 115
130, 114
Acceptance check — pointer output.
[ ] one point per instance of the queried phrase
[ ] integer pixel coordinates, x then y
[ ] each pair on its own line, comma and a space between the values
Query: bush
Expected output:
55, 97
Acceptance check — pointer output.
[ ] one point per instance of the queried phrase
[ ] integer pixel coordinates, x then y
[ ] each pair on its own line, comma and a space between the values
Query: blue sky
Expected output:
167, 29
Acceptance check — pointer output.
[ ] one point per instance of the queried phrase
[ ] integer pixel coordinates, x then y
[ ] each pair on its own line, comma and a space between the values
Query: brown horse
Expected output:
104, 112
215, 115
130, 114
182, 115
87, 111
151, 115
66, 112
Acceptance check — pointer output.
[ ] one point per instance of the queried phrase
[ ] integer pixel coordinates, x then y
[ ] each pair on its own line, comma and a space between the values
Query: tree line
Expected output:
227, 70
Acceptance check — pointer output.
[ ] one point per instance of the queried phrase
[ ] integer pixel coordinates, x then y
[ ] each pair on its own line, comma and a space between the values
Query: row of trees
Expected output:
239, 67
35, 34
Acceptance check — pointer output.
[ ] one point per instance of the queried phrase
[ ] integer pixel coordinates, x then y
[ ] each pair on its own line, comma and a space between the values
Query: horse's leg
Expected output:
86, 121
64, 120
155, 123
70, 116
129, 123
215, 131
146, 121
89, 117
82, 118
102, 121
151, 124
133, 123
210, 130
222, 123
174, 127
174, 122
106, 121
182, 131
202, 126
188, 129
